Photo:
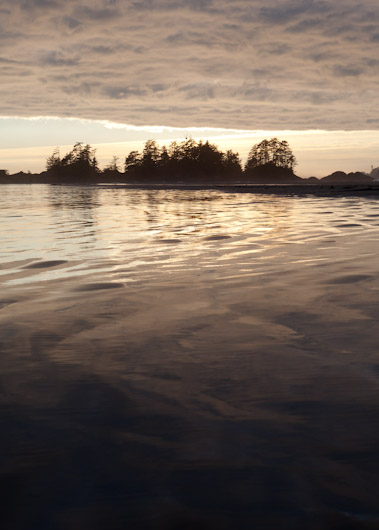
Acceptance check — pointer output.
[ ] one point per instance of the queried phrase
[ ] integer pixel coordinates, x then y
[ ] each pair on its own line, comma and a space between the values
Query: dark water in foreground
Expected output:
178, 360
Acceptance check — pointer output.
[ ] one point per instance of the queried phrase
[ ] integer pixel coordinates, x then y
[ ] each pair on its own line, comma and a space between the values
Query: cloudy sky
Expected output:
163, 68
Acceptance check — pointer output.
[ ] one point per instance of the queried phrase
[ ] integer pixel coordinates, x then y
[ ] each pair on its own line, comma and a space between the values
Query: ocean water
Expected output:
188, 360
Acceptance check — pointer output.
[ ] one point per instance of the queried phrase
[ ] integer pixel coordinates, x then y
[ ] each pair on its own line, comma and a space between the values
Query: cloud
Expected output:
38, 4
100, 13
283, 12
56, 58
4, 60
347, 70
237, 63
123, 92
71, 22
206, 6
305, 25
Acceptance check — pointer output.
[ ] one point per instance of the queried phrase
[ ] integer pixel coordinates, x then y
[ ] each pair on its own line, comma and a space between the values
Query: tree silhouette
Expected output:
271, 161
53, 161
164, 158
150, 155
232, 164
132, 161
187, 159
80, 163
274, 152
113, 164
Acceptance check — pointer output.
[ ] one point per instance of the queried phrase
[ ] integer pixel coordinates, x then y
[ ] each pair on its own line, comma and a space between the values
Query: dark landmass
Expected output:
195, 165
117, 180
262, 183
340, 177
271, 174
325, 190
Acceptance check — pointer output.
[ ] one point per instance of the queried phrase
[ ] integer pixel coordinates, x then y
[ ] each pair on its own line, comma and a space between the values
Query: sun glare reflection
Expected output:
129, 235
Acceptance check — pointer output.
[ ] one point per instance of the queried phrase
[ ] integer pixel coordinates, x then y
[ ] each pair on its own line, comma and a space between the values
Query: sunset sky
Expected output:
115, 73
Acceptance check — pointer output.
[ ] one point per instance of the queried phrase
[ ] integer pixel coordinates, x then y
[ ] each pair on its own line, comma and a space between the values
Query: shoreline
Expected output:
267, 189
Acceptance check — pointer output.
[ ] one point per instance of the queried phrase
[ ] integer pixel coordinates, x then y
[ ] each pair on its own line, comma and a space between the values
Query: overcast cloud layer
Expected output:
256, 64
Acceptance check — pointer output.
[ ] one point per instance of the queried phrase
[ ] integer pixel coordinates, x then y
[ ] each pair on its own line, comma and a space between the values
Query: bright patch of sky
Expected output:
44, 130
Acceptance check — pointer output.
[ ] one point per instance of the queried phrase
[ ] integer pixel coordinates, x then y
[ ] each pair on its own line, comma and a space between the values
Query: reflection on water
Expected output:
198, 359
122, 232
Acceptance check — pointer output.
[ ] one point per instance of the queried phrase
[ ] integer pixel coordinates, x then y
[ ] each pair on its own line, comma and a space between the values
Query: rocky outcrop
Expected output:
340, 177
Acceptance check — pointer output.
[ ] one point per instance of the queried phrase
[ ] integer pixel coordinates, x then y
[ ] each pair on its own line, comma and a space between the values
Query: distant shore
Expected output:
268, 189
323, 190
195, 165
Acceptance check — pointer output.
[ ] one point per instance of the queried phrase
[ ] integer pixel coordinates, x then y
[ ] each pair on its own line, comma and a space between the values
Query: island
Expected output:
192, 164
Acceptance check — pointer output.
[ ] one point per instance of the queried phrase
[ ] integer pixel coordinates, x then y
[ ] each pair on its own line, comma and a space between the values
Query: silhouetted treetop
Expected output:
150, 155
132, 161
79, 163
54, 160
274, 152
186, 159
113, 164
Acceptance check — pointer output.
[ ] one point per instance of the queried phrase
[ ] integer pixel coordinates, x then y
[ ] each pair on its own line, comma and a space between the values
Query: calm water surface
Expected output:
188, 359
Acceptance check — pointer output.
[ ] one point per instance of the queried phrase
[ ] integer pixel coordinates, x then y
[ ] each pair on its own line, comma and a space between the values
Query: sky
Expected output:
115, 73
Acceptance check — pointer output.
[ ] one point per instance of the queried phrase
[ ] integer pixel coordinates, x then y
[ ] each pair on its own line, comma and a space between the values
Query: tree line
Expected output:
188, 159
